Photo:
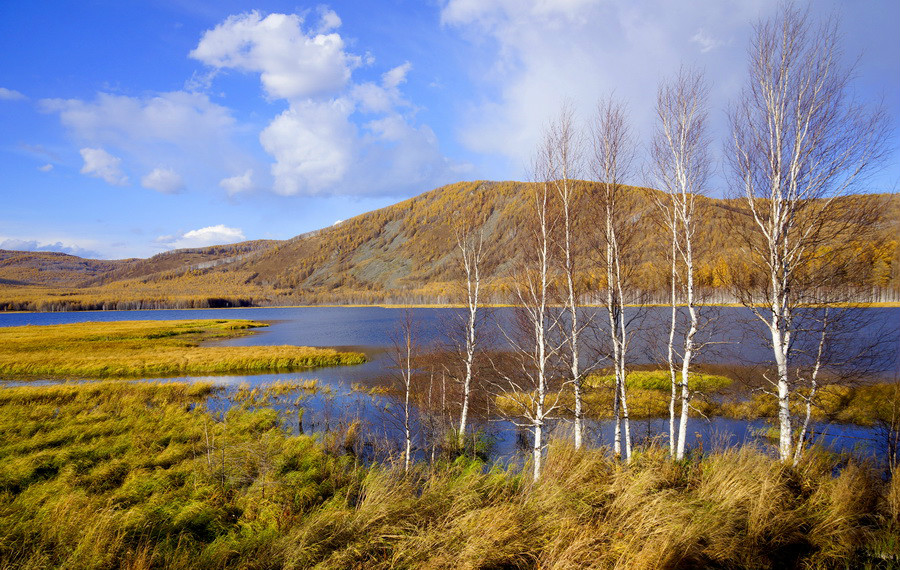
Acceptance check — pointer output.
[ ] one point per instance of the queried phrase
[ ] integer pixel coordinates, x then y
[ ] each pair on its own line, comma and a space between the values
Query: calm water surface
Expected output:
736, 334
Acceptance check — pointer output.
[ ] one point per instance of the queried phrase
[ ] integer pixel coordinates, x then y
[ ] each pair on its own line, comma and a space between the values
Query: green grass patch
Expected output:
660, 380
150, 349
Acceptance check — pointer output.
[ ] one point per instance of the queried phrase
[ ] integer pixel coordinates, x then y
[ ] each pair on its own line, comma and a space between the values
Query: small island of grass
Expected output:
131, 349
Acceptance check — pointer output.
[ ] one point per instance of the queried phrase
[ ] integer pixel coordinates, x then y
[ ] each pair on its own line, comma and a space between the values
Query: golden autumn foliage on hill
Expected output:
407, 253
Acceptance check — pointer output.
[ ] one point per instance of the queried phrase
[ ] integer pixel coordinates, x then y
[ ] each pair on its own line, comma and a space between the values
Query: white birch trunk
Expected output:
673, 375
687, 224
471, 260
613, 152
613, 312
407, 381
622, 342
813, 387
564, 154
540, 322
681, 161
571, 305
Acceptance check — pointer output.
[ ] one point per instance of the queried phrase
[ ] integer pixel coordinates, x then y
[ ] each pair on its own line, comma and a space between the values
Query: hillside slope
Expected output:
403, 253
48, 268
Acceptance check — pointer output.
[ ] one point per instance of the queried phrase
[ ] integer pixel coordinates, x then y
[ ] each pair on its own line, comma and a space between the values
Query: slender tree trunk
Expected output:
673, 375
574, 371
405, 346
407, 432
780, 330
536, 347
686, 220
622, 342
613, 153
613, 312
540, 322
470, 243
564, 154
471, 261
813, 388
681, 165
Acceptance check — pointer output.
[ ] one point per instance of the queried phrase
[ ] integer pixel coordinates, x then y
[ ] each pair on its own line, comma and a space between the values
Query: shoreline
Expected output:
873, 305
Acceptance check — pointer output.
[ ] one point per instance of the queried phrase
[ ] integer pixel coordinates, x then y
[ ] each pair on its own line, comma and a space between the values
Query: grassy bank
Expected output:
149, 349
140, 476
870, 404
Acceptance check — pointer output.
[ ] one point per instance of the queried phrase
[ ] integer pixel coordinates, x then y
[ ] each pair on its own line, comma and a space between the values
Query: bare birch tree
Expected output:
529, 382
470, 244
681, 166
613, 156
799, 143
564, 149
405, 347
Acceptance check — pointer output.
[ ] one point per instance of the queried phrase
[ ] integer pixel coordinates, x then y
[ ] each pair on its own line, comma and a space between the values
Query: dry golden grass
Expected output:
149, 349
126, 475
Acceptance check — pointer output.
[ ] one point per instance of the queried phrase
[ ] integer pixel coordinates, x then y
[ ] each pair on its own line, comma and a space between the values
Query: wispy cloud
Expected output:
537, 54
40, 151
185, 131
163, 180
237, 184
16, 244
705, 41
11, 95
100, 164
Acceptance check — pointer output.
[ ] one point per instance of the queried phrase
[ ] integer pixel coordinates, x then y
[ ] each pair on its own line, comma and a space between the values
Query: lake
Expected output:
734, 335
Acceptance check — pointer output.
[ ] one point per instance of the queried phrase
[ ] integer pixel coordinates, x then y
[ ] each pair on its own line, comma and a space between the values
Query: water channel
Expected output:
735, 337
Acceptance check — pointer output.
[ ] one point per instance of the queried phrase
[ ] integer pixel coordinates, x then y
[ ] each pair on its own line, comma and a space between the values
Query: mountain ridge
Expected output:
404, 252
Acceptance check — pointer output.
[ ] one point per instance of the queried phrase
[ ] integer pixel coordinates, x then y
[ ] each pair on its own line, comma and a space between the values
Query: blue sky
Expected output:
132, 128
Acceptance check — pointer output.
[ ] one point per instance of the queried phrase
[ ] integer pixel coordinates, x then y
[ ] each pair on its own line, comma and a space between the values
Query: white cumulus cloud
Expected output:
237, 184
163, 180
211, 235
313, 145
292, 62
100, 164
336, 136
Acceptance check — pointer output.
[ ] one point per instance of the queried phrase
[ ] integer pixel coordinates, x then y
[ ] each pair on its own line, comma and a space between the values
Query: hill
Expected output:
403, 253
51, 269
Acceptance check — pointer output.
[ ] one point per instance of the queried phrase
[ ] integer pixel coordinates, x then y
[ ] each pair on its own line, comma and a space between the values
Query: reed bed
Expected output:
125, 475
150, 349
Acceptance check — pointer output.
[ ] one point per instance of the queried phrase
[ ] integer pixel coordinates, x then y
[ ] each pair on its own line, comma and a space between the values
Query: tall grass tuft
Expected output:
116, 475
